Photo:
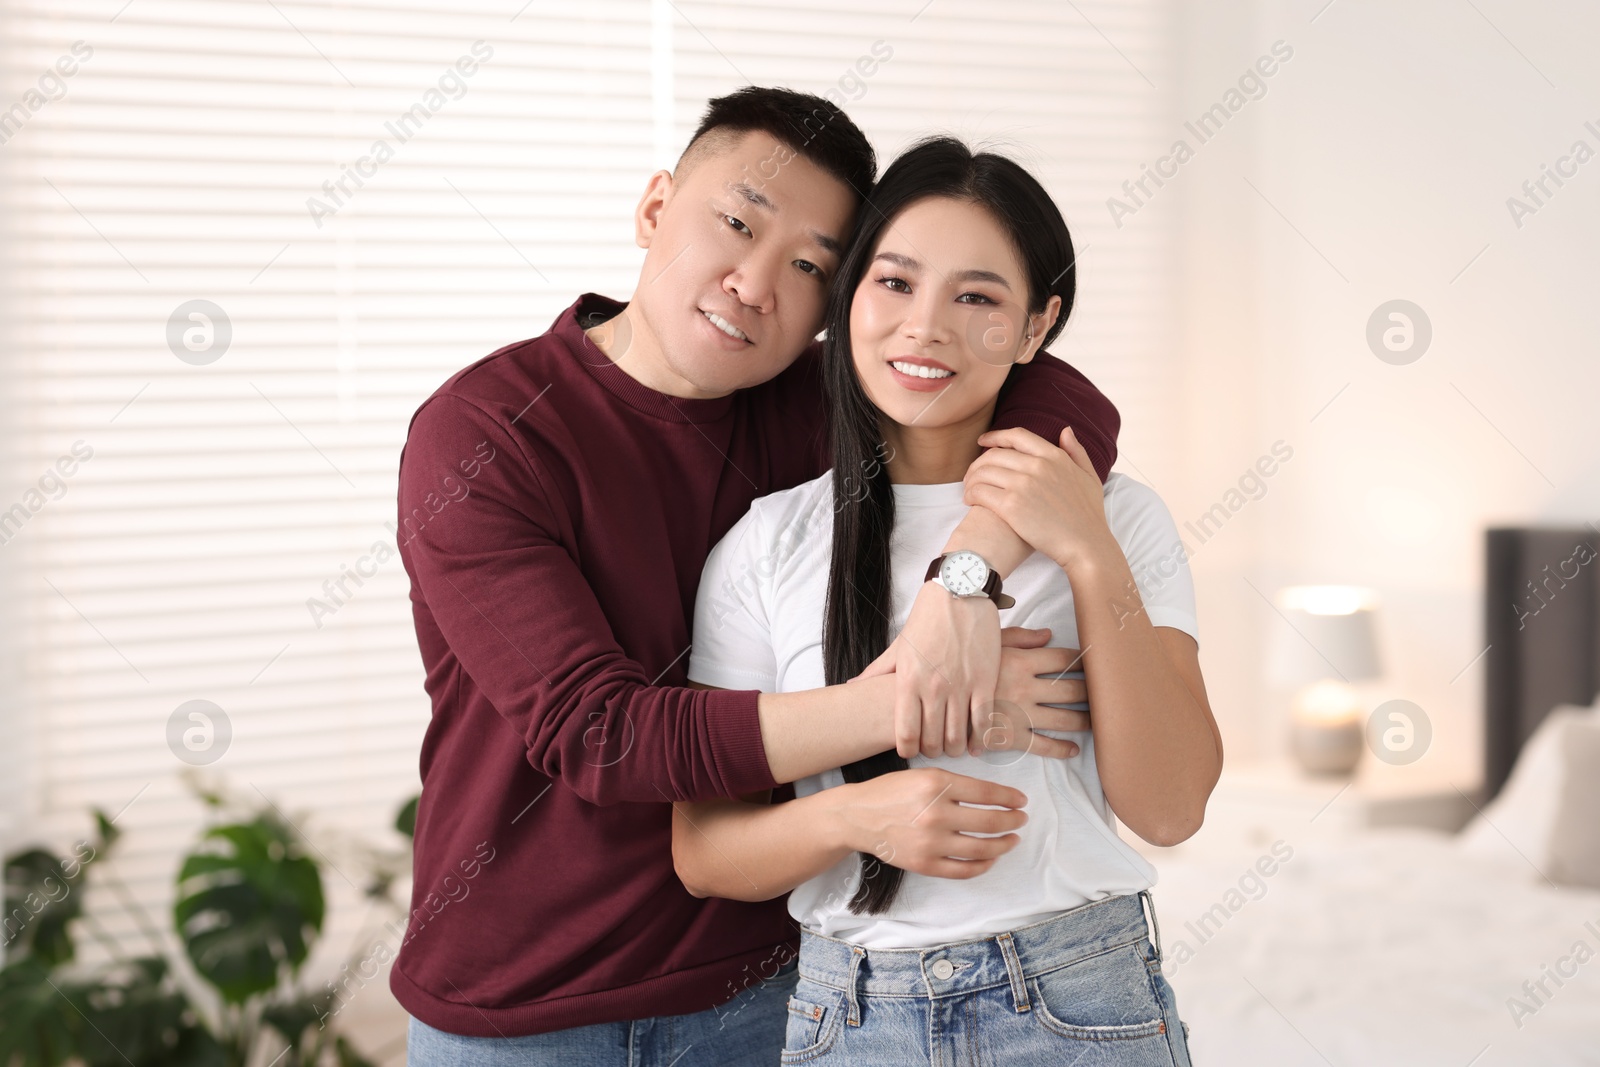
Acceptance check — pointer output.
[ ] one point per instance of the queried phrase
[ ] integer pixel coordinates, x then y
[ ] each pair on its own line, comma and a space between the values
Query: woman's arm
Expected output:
947, 657
919, 820
1157, 746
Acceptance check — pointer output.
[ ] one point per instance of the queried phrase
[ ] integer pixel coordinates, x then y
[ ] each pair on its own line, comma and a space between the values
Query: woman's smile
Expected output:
920, 374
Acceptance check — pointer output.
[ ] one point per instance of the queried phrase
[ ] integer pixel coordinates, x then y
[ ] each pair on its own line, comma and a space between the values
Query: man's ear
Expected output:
1038, 326
647, 216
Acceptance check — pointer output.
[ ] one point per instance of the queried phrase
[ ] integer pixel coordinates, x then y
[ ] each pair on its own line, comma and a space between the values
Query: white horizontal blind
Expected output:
221, 496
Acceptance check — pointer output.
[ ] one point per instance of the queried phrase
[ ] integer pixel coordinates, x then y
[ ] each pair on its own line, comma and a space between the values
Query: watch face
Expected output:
964, 573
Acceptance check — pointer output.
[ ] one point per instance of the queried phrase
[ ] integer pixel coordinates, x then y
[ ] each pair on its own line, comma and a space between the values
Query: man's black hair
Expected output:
811, 125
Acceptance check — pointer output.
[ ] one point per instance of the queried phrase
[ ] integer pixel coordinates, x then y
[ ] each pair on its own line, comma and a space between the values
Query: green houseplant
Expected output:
248, 913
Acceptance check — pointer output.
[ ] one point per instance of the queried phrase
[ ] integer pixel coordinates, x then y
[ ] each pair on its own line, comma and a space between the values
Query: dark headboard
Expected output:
1542, 623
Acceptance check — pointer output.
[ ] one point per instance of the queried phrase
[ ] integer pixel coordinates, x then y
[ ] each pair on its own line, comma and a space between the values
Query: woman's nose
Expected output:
927, 323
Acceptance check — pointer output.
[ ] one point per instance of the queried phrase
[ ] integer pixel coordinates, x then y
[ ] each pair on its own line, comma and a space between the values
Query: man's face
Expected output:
740, 252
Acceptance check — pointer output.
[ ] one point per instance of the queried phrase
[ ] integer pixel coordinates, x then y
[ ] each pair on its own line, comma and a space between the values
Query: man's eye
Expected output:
809, 267
977, 298
736, 224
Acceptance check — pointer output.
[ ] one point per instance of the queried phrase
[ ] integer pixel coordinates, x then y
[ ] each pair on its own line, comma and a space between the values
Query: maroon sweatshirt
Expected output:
554, 518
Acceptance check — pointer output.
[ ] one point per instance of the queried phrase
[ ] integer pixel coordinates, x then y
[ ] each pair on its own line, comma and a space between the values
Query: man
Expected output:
557, 502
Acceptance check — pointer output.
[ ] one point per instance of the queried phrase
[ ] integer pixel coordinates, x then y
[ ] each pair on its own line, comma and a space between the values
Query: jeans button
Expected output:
943, 969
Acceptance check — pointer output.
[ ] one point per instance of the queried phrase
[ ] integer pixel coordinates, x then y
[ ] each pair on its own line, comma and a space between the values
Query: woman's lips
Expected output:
917, 383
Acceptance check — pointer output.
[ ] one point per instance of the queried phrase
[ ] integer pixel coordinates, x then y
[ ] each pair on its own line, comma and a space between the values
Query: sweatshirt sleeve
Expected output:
490, 562
1046, 395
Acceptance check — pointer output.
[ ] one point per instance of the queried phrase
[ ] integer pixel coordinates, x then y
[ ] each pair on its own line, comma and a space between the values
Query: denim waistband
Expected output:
963, 967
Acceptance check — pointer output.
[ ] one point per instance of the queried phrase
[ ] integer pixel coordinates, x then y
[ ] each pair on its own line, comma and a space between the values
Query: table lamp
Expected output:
1328, 644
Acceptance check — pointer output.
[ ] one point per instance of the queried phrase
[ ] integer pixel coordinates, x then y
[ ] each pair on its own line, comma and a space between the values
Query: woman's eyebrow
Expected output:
905, 262
980, 276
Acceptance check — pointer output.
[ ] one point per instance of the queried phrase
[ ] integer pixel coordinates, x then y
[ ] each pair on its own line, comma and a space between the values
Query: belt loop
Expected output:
1019, 986
856, 954
1148, 904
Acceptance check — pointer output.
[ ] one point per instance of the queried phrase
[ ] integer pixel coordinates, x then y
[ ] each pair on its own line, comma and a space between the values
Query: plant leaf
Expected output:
106, 829
40, 901
40, 1026
132, 1015
406, 819
292, 1018
249, 905
348, 1056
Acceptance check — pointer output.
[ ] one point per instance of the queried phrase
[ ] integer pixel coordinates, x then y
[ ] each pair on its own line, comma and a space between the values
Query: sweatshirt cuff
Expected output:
733, 721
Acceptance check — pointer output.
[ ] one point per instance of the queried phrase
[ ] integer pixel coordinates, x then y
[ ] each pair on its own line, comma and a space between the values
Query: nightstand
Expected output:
1256, 804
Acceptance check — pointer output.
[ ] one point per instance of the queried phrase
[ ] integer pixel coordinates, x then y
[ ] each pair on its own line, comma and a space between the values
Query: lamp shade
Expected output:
1329, 633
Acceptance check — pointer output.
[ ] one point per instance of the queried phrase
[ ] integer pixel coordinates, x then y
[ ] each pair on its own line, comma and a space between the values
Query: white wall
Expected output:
1391, 142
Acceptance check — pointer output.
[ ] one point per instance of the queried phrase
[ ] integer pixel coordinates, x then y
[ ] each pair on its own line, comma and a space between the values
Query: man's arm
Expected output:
490, 563
923, 820
1046, 395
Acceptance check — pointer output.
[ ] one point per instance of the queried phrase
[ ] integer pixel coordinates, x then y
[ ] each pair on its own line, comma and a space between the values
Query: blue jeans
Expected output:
1083, 988
747, 1031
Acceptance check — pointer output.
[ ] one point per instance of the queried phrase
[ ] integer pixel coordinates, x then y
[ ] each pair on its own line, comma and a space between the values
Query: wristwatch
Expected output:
966, 574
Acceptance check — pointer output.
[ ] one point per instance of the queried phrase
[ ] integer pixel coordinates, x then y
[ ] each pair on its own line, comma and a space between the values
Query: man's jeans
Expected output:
747, 1031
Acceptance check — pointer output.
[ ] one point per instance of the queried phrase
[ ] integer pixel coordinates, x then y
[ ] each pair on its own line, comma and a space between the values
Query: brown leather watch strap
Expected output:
991, 589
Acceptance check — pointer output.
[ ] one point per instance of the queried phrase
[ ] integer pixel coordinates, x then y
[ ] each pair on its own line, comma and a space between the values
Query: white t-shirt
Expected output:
758, 625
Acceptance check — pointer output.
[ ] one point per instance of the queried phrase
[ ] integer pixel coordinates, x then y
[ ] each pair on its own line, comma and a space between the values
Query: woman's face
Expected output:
941, 314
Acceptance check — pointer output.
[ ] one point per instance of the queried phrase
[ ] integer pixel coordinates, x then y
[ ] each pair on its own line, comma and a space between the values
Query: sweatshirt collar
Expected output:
589, 311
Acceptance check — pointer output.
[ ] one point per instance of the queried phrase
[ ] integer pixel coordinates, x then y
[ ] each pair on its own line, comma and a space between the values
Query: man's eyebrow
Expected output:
830, 244
755, 196
907, 263
761, 200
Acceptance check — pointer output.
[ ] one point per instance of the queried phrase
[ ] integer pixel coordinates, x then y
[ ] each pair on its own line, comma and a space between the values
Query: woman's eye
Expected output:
736, 224
897, 285
977, 298
809, 267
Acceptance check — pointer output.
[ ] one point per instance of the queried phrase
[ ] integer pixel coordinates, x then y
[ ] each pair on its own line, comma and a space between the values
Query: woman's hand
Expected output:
917, 820
948, 650
1050, 496
932, 662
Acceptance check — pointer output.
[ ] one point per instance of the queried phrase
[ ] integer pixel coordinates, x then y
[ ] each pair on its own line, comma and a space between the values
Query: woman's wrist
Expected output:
1084, 557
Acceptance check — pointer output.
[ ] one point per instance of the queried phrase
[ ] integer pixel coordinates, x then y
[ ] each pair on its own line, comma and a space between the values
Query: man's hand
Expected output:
921, 820
1031, 678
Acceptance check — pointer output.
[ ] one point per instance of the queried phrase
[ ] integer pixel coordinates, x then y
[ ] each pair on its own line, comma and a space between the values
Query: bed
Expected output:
1415, 947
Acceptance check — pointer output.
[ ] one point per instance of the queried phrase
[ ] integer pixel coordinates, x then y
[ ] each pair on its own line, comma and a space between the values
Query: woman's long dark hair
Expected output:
856, 628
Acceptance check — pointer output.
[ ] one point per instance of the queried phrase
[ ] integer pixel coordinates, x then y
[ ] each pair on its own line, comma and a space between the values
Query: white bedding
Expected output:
1388, 947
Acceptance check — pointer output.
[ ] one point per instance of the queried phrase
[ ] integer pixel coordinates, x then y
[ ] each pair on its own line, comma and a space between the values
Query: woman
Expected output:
995, 946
